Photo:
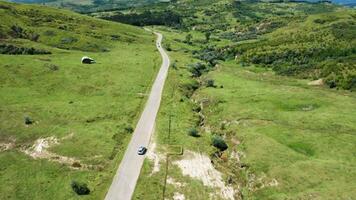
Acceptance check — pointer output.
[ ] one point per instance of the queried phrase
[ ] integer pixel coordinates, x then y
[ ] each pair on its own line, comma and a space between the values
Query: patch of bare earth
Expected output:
153, 156
175, 183
318, 82
199, 166
6, 146
39, 150
178, 196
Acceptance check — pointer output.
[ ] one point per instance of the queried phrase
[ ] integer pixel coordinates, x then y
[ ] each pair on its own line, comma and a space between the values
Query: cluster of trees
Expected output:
322, 51
19, 32
210, 54
166, 18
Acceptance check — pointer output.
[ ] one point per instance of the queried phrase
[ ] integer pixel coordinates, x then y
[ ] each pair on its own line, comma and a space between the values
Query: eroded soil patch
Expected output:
199, 166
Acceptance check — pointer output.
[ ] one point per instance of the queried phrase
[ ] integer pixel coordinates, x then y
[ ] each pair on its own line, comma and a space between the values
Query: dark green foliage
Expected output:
174, 65
219, 143
325, 50
188, 38
14, 50
210, 83
17, 32
197, 69
189, 88
167, 18
193, 132
207, 36
129, 129
168, 47
210, 54
80, 188
28, 121
68, 40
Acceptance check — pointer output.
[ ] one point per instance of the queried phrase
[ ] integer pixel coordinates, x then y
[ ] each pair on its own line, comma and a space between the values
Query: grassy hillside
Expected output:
286, 139
60, 120
323, 46
305, 40
91, 5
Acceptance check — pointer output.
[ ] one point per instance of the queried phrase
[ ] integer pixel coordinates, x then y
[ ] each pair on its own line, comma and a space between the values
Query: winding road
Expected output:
127, 175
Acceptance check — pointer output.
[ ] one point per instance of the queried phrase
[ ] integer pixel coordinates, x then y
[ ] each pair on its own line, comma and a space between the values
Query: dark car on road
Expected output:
141, 150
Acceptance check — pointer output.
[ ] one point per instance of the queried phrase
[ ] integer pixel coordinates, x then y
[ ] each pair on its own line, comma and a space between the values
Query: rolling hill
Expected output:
63, 123
259, 101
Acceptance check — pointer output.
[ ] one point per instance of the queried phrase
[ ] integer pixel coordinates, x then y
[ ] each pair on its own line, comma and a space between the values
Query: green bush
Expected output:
219, 143
197, 69
80, 188
193, 132
210, 83
28, 121
129, 129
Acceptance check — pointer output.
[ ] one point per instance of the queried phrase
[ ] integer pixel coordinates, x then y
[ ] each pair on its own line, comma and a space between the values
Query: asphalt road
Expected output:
126, 176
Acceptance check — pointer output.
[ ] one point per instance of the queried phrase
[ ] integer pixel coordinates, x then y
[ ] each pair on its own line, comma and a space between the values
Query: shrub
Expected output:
17, 31
207, 36
129, 129
80, 188
210, 83
28, 121
193, 132
168, 47
189, 88
52, 67
34, 37
14, 50
68, 40
174, 65
188, 38
219, 143
197, 69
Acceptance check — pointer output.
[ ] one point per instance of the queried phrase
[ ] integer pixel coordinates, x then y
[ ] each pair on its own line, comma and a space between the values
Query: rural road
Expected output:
126, 176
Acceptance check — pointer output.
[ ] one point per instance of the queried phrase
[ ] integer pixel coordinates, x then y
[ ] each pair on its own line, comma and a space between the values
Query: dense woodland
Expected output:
166, 18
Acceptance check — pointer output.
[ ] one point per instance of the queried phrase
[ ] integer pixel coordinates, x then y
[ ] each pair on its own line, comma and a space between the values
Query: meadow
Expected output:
89, 110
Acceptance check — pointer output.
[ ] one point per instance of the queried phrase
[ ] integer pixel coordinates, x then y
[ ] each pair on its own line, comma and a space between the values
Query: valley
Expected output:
259, 101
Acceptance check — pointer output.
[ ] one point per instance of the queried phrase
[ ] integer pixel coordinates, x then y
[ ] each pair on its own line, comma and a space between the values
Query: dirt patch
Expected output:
256, 183
178, 196
199, 166
237, 155
69, 136
246, 122
6, 146
318, 82
39, 150
171, 181
154, 157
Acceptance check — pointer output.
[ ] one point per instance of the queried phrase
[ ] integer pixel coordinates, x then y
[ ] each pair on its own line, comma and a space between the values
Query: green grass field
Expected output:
94, 105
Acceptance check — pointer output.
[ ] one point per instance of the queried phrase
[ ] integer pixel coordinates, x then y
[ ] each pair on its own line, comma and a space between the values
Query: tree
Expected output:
193, 132
219, 143
80, 188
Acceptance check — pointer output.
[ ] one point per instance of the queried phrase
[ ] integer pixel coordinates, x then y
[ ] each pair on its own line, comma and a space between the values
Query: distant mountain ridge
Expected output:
343, 2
